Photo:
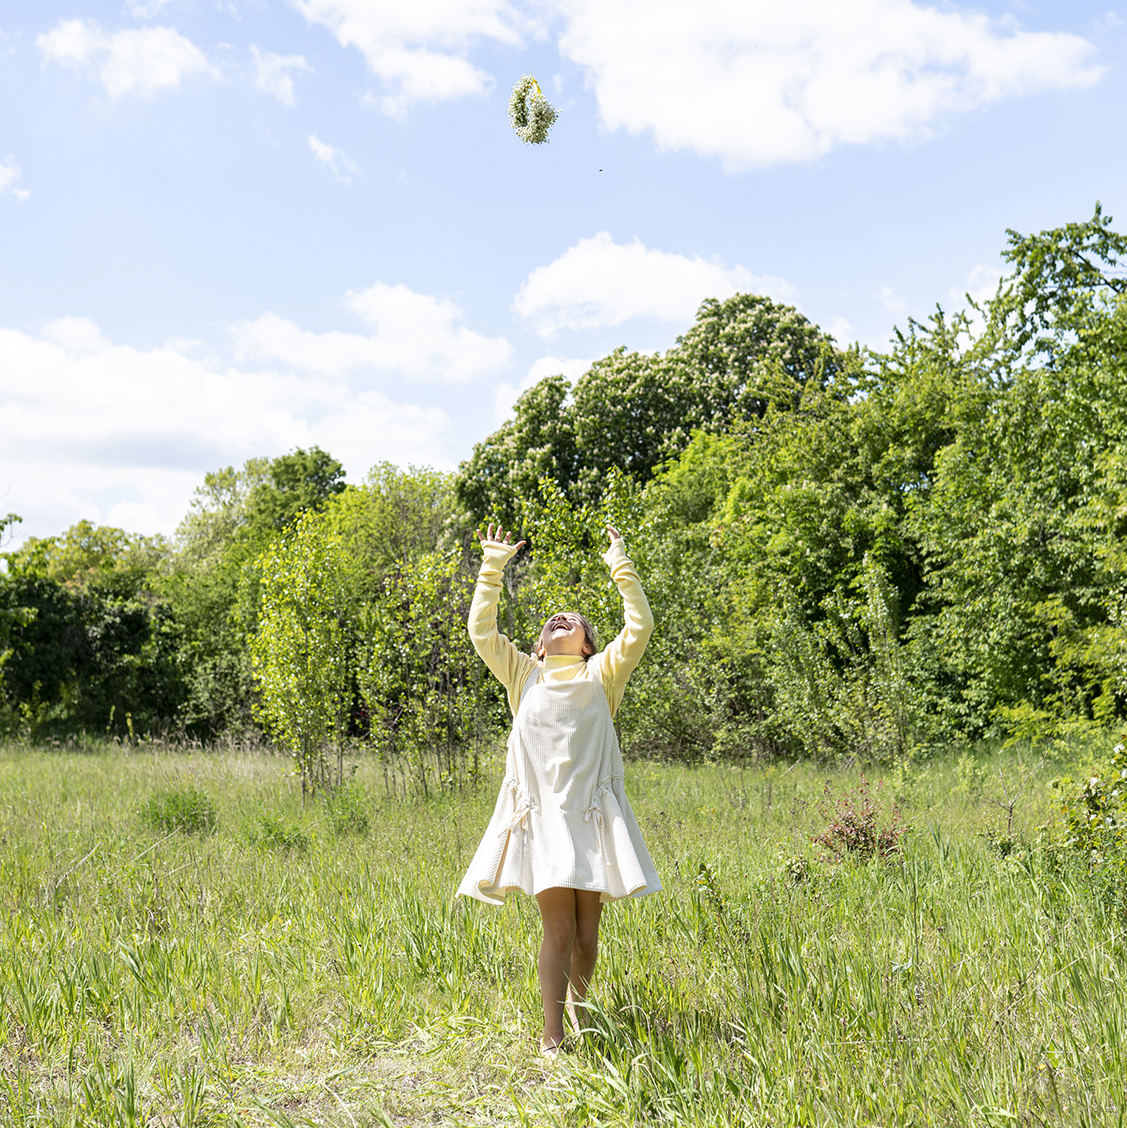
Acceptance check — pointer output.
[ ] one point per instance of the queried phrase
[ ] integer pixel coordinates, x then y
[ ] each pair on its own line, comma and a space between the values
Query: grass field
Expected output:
296, 966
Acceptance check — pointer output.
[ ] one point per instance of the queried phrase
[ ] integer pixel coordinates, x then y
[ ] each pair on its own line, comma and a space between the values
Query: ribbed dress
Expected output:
562, 818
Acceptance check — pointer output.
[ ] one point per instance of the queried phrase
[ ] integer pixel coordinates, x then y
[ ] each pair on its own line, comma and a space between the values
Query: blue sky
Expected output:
232, 228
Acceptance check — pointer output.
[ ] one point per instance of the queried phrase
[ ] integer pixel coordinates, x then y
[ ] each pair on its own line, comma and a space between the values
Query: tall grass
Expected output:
161, 977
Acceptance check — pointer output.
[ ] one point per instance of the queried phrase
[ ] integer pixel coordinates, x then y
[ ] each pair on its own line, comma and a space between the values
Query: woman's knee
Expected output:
588, 911
586, 944
558, 916
559, 934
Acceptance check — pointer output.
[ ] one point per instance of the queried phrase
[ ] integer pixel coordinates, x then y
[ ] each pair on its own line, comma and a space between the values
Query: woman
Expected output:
562, 830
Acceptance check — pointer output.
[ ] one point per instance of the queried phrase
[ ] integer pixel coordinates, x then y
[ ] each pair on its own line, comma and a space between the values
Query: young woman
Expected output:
562, 830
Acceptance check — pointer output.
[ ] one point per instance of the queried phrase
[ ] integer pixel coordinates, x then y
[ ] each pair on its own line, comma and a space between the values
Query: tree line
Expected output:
849, 553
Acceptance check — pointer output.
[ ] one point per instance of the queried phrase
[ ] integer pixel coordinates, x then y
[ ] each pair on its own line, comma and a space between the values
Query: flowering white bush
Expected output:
530, 112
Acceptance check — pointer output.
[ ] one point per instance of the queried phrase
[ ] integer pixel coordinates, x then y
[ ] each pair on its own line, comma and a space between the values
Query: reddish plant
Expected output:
856, 829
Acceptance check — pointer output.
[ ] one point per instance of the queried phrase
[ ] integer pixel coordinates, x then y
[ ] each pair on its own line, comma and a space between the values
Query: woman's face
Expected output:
564, 633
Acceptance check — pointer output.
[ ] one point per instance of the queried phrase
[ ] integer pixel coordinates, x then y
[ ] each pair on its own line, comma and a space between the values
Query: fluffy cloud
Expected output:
752, 83
505, 396
123, 435
10, 177
759, 83
981, 284
141, 61
79, 336
599, 284
418, 49
335, 158
146, 9
842, 331
890, 299
416, 335
272, 73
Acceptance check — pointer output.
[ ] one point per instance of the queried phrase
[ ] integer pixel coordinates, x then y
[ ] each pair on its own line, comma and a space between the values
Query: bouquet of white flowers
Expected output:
530, 112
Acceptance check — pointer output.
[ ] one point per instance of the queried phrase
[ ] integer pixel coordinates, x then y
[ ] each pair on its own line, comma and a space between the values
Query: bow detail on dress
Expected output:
595, 812
522, 807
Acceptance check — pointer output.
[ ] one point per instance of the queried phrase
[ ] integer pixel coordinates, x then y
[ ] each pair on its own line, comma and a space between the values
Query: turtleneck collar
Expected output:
563, 667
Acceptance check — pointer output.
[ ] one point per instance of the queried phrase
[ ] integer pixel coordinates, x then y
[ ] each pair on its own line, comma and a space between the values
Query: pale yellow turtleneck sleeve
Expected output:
612, 666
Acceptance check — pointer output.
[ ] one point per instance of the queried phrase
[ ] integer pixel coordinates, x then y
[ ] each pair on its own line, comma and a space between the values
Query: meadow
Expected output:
282, 964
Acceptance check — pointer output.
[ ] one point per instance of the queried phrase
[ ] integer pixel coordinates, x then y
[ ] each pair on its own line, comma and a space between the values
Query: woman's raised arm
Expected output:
505, 661
616, 663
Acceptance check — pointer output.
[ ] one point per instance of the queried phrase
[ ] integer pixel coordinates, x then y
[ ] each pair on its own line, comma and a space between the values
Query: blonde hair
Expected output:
589, 635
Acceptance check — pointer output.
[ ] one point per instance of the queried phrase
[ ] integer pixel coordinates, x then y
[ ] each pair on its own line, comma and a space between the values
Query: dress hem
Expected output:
606, 897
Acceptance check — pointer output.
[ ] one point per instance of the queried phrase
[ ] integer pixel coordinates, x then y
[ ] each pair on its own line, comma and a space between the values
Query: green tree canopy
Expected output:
88, 554
538, 442
300, 649
298, 482
633, 411
395, 517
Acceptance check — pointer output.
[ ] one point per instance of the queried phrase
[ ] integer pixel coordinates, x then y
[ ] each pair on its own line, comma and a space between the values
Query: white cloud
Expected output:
981, 283
599, 284
770, 81
505, 396
79, 336
10, 177
272, 73
842, 331
891, 300
418, 49
123, 435
140, 61
336, 159
415, 335
146, 9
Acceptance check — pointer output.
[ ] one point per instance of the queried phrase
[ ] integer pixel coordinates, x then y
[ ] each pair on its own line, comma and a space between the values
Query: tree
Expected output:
217, 512
633, 412
629, 413
395, 517
92, 645
300, 650
213, 581
1060, 278
1016, 526
300, 481
430, 700
507, 467
101, 556
747, 354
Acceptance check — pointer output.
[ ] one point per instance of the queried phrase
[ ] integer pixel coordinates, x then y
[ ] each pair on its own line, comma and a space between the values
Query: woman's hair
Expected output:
588, 633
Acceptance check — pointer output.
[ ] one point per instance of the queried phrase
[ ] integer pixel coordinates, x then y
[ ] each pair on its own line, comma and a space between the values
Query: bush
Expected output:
271, 831
184, 809
1095, 810
347, 808
855, 831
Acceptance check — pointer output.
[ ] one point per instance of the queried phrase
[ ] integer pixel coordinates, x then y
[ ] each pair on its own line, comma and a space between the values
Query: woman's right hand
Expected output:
498, 538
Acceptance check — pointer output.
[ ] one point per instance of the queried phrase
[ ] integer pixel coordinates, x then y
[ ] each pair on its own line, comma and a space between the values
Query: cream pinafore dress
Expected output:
562, 817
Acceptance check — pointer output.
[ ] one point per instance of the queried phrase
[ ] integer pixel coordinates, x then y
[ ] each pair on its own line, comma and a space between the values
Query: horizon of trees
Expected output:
849, 553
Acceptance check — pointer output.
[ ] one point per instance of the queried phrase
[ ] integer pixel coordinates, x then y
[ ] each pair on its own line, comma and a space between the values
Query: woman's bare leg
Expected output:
585, 950
567, 955
557, 912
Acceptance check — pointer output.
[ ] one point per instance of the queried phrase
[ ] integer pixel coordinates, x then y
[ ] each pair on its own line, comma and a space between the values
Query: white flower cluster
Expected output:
530, 112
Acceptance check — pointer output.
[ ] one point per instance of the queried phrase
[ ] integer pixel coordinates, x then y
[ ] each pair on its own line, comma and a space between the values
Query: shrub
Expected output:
271, 831
347, 808
184, 809
855, 829
1095, 811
